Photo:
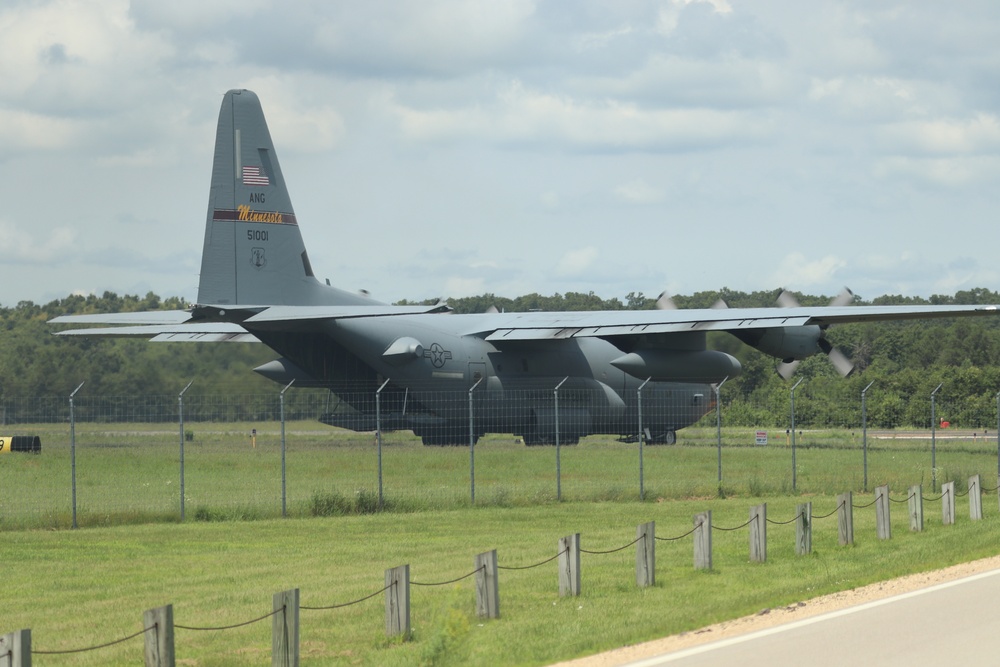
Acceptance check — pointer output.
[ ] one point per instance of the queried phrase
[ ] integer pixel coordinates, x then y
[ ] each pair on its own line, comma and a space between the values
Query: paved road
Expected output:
954, 623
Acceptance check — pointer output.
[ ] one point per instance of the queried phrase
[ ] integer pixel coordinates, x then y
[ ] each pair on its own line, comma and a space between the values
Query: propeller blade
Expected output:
787, 300
720, 305
492, 309
840, 361
786, 369
845, 298
664, 302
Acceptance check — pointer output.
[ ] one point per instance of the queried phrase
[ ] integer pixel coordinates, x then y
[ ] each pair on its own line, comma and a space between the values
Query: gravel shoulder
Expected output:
767, 618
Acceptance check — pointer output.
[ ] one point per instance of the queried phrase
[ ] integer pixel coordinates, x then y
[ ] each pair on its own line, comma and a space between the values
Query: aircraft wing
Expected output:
607, 324
206, 327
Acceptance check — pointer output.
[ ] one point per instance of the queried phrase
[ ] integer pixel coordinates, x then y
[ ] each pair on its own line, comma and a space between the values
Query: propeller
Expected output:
664, 302
840, 362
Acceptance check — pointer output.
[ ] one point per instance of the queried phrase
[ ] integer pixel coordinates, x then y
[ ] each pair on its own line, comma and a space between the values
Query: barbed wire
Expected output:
92, 648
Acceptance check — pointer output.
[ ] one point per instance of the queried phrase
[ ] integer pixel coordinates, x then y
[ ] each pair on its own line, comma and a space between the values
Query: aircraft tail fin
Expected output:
254, 253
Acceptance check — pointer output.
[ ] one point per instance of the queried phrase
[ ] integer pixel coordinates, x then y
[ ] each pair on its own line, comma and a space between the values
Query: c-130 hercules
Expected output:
257, 285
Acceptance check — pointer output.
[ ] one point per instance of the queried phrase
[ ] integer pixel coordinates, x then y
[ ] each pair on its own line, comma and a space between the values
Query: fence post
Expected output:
555, 394
883, 526
472, 447
487, 586
975, 498
159, 640
948, 503
845, 518
916, 506
72, 446
718, 426
703, 541
864, 429
569, 565
758, 533
645, 554
934, 440
284, 495
17, 647
180, 421
793, 429
804, 530
378, 437
638, 394
397, 601
285, 629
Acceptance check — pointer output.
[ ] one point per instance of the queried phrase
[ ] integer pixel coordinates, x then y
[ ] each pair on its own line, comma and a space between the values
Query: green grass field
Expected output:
77, 589
131, 473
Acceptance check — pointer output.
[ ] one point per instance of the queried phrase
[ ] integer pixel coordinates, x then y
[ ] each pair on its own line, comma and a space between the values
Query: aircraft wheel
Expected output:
669, 438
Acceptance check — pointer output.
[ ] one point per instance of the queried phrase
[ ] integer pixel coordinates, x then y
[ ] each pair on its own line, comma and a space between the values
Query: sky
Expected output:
448, 148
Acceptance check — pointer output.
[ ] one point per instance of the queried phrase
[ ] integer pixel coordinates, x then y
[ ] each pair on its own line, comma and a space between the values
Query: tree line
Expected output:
902, 361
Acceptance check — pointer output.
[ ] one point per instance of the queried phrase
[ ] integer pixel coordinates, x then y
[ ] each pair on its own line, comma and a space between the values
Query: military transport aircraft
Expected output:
429, 366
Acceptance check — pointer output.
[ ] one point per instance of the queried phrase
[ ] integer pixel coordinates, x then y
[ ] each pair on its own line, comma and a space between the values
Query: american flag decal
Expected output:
254, 176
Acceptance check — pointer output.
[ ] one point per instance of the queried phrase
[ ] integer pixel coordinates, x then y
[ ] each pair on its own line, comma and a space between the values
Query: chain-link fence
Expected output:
109, 460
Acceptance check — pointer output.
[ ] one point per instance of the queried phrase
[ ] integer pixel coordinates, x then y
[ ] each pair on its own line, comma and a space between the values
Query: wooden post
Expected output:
16, 646
948, 503
975, 498
758, 533
703, 541
285, 629
645, 554
487, 585
915, 503
569, 565
883, 527
159, 639
397, 601
845, 518
804, 530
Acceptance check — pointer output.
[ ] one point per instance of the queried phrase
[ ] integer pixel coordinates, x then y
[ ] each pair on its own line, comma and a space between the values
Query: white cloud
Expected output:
576, 262
22, 248
639, 192
796, 271
521, 115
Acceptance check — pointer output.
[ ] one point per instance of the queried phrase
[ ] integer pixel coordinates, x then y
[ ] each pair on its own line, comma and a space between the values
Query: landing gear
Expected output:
668, 437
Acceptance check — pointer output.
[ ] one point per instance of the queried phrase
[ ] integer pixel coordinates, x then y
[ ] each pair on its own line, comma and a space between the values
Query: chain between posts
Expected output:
452, 581
94, 648
348, 604
528, 567
611, 551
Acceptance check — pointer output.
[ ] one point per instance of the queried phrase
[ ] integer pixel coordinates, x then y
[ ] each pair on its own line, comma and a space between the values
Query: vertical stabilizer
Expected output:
253, 253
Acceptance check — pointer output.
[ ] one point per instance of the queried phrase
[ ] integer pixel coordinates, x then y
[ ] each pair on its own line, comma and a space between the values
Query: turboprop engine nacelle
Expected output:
679, 365
785, 343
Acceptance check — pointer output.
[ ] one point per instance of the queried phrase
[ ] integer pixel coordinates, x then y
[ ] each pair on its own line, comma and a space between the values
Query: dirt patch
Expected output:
768, 618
